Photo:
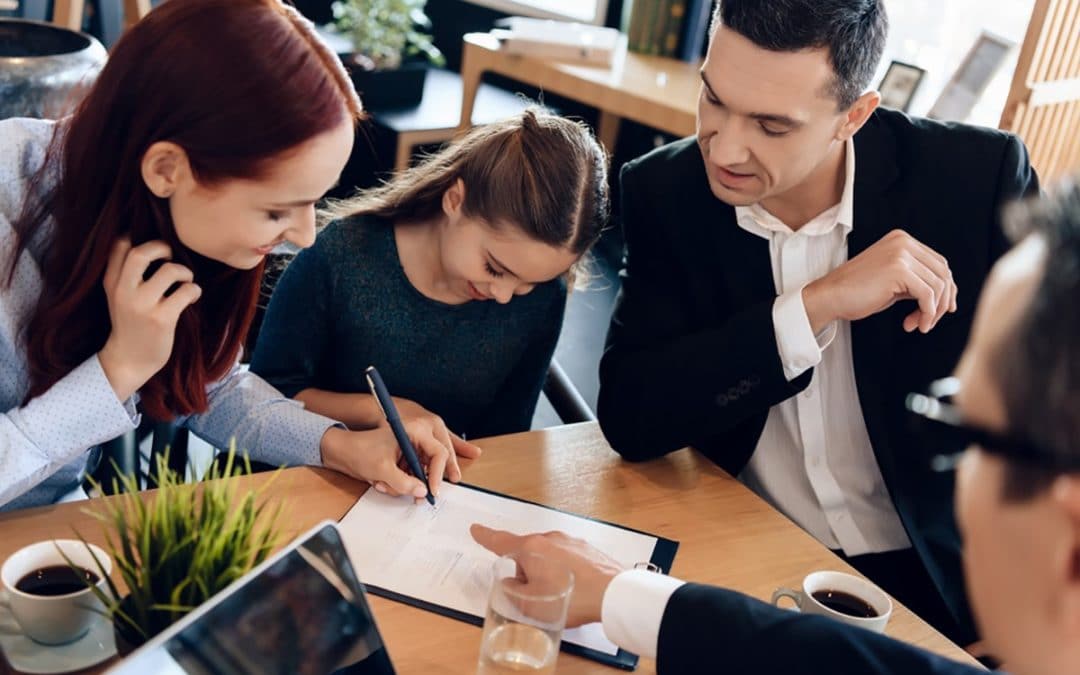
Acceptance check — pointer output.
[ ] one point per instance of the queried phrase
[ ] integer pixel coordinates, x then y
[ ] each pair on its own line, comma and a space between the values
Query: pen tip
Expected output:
431, 499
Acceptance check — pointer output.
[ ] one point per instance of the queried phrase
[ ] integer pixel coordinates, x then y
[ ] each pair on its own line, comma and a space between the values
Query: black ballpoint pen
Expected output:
389, 410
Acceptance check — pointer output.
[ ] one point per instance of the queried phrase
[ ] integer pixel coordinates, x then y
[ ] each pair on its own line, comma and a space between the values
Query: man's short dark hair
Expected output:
852, 30
1038, 364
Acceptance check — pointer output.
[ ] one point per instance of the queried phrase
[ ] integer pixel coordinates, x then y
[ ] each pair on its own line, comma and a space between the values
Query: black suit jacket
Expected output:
713, 630
691, 356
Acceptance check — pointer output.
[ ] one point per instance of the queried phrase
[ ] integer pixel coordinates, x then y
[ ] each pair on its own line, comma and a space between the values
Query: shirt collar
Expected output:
756, 219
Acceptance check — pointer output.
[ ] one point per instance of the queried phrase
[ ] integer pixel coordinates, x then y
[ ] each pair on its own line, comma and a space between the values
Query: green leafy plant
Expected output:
386, 31
179, 547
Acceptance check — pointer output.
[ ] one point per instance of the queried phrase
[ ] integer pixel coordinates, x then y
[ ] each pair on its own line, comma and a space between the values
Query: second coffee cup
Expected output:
844, 597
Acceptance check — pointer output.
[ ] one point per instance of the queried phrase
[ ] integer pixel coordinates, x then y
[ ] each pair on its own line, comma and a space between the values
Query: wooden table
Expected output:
659, 92
727, 535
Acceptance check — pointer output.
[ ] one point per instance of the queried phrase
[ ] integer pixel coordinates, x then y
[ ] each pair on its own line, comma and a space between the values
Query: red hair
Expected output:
235, 83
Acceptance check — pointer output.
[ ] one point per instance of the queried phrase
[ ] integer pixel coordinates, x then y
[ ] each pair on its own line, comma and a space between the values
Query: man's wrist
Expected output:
605, 584
815, 298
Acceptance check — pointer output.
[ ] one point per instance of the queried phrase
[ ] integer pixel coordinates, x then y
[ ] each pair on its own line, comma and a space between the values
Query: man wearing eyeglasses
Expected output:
1014, 419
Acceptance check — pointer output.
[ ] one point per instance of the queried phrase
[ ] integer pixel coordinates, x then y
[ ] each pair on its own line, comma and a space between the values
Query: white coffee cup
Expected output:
860, 588
54, 619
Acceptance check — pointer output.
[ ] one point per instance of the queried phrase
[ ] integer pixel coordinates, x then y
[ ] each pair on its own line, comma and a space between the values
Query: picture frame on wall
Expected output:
899, 85
970, 80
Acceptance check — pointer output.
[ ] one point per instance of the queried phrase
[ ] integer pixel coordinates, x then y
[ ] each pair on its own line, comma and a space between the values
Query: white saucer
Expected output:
26, 656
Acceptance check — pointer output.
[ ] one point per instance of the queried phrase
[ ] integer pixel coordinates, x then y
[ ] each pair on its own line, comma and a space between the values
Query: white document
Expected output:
428, 554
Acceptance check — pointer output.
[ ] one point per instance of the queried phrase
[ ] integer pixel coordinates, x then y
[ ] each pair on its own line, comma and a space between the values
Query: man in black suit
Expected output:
1017, 413
795, 269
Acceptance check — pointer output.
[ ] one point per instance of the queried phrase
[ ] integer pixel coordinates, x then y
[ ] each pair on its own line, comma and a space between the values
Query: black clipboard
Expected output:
663, 556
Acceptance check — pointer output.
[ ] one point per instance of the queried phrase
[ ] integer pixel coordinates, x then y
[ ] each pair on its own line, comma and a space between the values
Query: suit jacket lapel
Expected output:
750, 279
740, 260
875, 172
876, 214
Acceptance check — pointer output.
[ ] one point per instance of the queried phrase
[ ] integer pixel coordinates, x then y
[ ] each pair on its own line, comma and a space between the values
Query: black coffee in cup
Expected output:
56, 580
845, 603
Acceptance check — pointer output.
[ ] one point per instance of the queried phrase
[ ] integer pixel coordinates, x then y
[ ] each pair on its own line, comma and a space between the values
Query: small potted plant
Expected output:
390, 49
178, 548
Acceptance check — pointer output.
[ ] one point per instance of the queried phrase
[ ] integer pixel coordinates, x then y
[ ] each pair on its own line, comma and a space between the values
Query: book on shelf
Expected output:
636, 27
653, 25
695, 30
673, 23
657, 28
643, 26
672, 28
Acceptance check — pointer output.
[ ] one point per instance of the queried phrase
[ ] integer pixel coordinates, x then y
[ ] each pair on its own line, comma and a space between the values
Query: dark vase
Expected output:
45, 70
127, 638
384, 89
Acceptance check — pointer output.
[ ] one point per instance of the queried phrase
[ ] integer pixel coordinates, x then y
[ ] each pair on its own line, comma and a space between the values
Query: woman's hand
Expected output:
143, 313
361, 411
374, 456
420, 423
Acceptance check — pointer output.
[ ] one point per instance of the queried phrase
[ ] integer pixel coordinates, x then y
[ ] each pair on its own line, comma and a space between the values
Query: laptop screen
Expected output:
306, 613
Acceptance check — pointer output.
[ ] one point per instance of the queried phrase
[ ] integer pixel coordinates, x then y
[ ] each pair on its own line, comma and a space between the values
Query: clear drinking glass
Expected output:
524, 623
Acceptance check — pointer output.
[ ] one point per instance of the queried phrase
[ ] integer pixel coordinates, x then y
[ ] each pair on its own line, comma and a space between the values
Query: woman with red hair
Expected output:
132, 242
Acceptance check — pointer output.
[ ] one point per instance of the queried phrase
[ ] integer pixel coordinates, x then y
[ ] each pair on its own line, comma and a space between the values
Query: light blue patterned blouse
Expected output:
45, 444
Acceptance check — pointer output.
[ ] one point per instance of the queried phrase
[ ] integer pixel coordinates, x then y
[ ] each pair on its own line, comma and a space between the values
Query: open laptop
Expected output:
301, 611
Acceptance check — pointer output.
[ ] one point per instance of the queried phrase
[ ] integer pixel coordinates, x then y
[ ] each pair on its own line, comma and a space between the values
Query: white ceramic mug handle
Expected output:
796, 596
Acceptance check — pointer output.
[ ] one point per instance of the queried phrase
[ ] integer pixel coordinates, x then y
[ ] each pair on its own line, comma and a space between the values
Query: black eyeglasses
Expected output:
943, 429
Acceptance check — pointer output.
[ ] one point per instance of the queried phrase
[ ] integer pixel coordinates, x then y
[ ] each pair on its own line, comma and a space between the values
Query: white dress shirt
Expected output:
814, 461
